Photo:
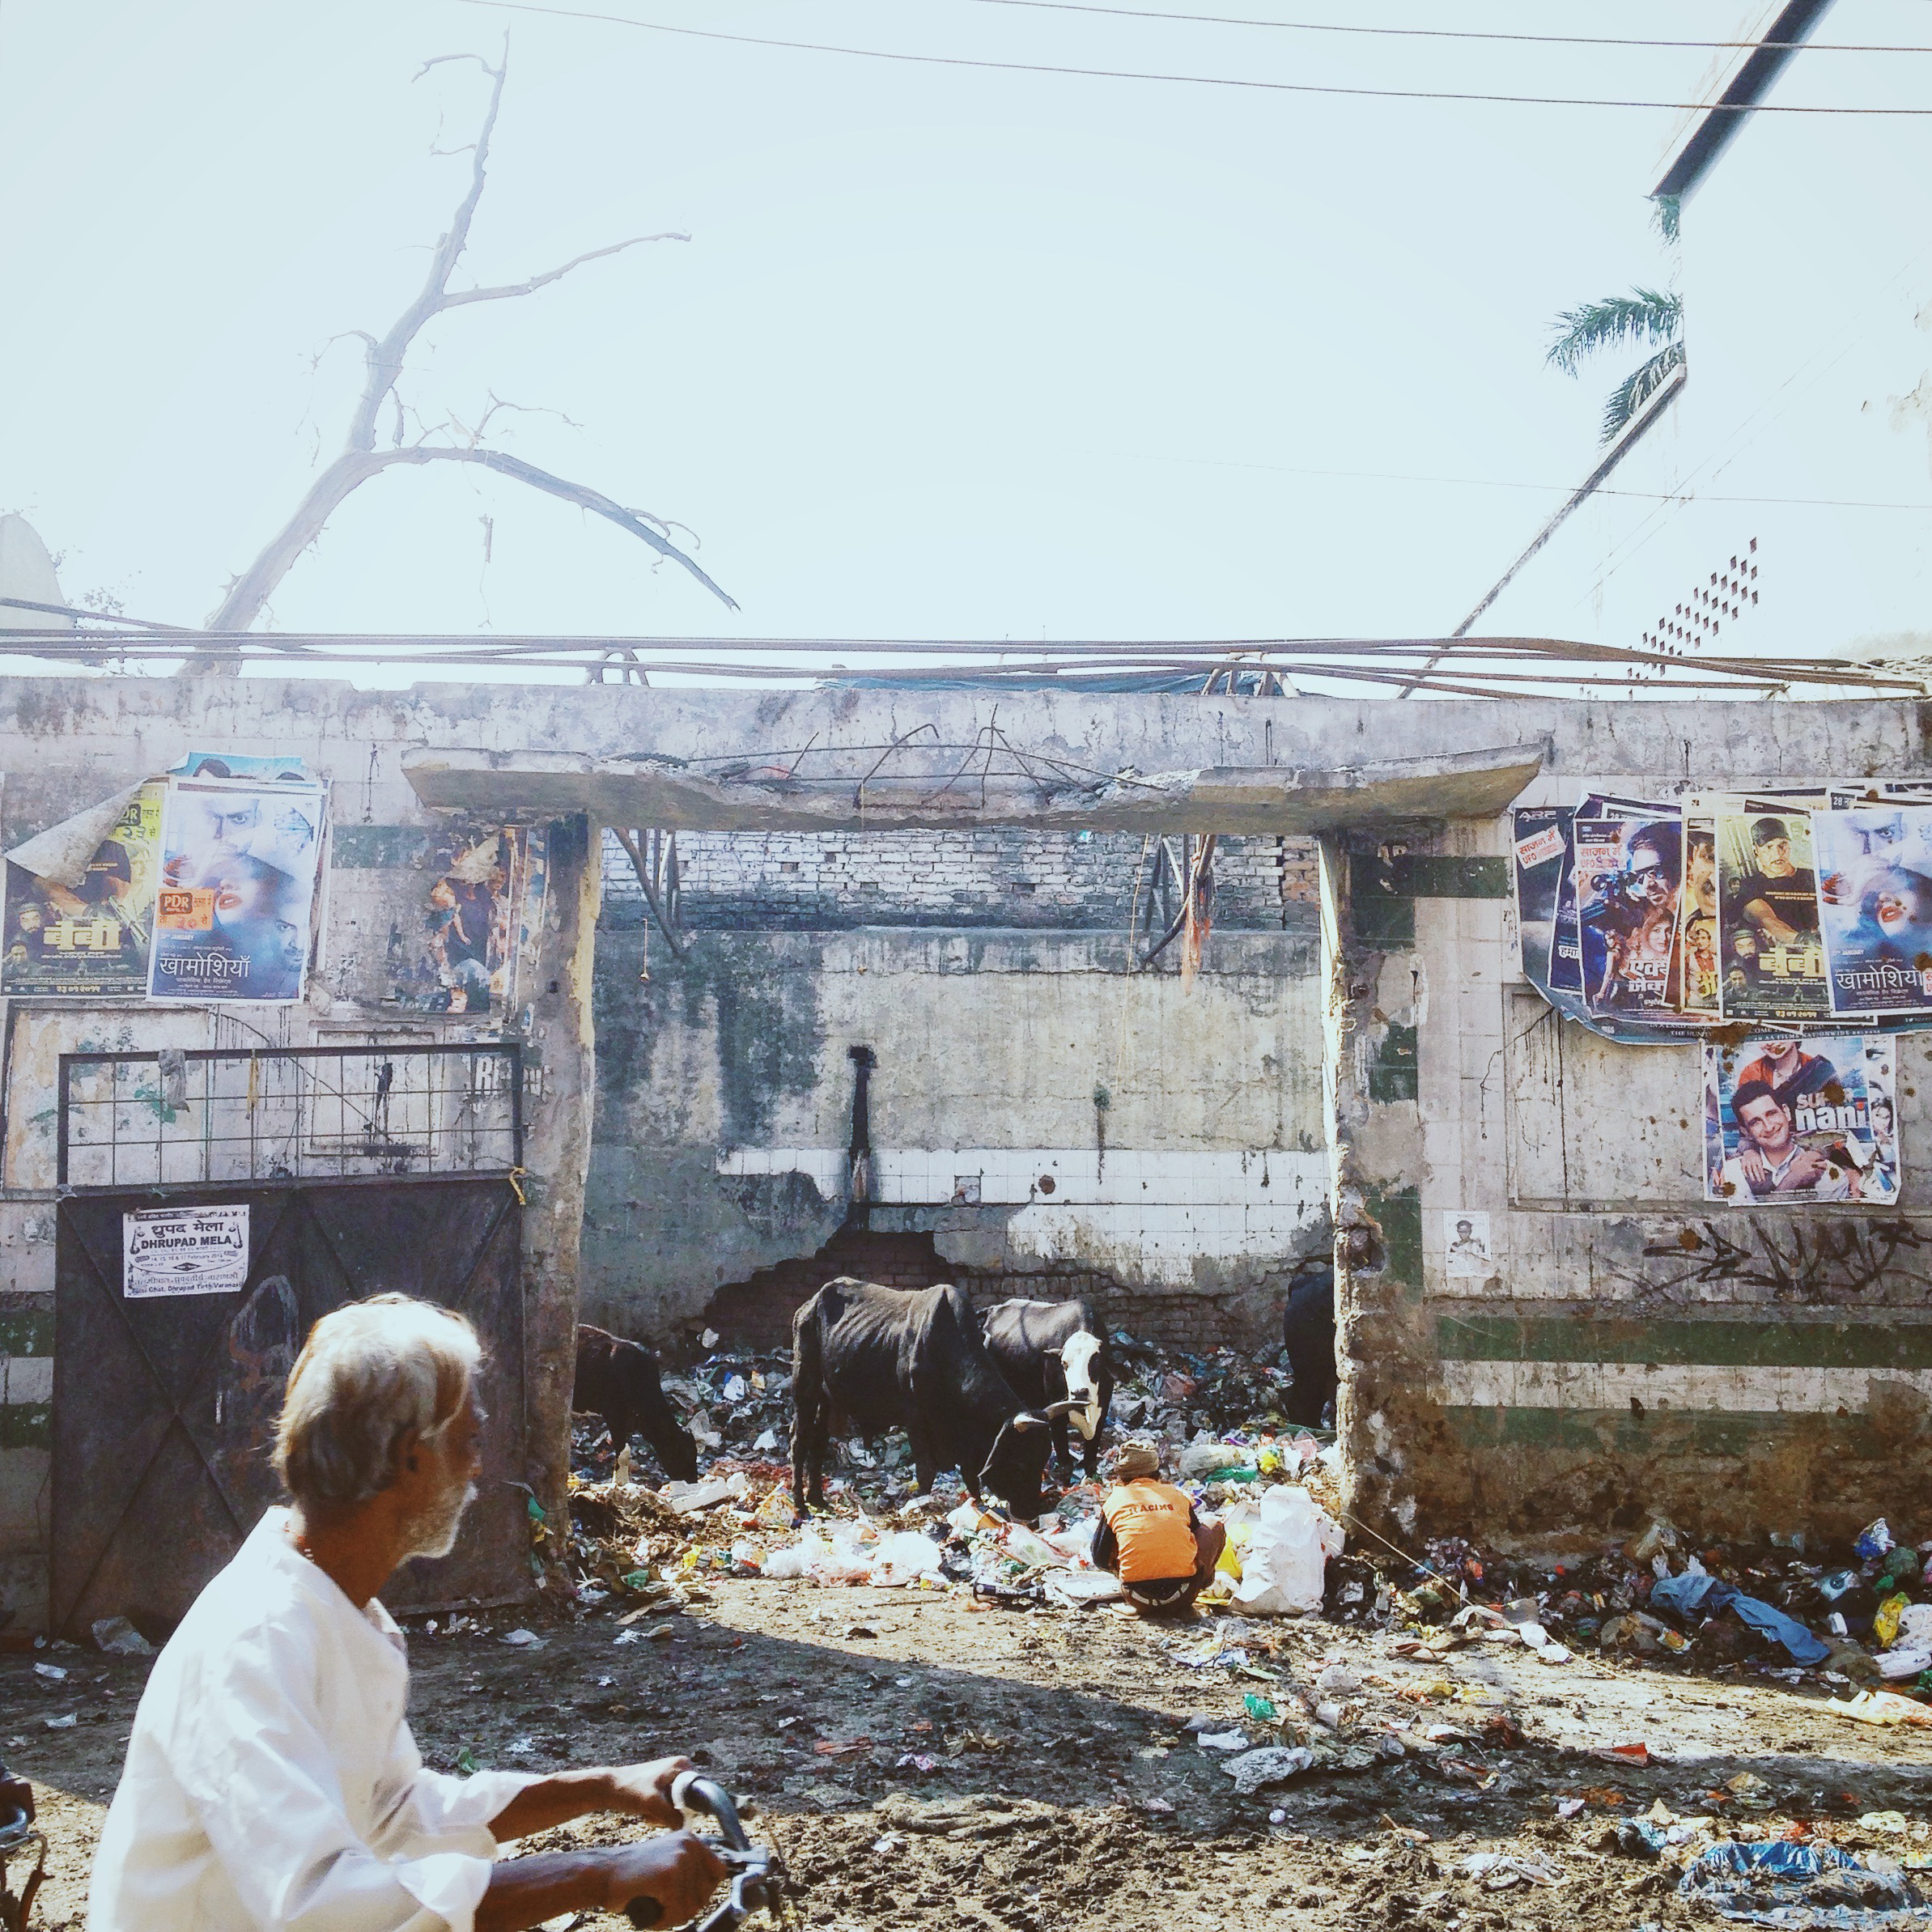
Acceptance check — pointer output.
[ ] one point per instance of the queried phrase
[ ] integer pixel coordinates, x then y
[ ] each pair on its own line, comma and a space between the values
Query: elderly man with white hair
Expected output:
271, 1780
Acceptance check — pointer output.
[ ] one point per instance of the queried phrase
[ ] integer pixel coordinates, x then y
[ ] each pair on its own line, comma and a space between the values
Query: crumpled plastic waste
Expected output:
1499, 1871
1799, 1885
1284, 1566
856, 1553
1882, 1707
1272, 1765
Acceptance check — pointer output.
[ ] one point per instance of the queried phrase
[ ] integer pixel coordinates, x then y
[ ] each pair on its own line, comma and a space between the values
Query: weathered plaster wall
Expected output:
65, 744
1636, 1349
1108, 1123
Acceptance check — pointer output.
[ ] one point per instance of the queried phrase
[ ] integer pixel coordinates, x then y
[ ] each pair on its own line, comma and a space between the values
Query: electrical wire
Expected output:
1194, 80
1442, 33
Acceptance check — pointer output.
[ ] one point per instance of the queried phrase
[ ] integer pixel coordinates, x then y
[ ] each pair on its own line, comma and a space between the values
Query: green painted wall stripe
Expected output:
26, 1332
1729, 1344
380, 847
26, 1426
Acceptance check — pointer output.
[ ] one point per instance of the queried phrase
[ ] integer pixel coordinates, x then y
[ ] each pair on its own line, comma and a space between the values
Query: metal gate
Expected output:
363, 1171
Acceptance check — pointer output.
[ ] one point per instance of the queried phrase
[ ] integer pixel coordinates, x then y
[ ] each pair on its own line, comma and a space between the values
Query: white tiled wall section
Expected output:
1258, 1178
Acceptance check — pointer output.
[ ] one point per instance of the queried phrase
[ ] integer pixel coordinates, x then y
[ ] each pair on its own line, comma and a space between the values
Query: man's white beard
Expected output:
433, 1533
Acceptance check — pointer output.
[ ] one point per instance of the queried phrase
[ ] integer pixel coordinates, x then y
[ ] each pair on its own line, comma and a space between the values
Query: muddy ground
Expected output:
1057, 1744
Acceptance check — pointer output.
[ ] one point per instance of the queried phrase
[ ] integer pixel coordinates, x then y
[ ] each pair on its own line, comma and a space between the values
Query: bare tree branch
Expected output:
354, 468
461, 296
247, 594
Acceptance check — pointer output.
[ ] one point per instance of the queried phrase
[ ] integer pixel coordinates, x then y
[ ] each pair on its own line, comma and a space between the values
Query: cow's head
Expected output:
658, 1419
1080, 1360
1017, 1461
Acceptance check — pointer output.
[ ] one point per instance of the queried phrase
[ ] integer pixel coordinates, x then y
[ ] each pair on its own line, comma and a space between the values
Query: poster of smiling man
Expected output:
238, 869
1875, 903
1800, 1118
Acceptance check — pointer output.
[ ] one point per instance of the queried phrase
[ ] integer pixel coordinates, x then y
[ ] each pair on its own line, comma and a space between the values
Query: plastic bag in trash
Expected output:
1874, 1540
117, 1635
1285, 1563
904, 1556
1272, 1765
795, 1559
1780, 1883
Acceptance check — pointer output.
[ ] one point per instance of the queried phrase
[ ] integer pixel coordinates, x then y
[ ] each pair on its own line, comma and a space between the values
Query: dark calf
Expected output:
619, 1380
1308, 1334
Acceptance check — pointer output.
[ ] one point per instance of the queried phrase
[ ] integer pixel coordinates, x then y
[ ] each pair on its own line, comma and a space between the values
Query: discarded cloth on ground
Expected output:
1696, 1592
1802, 1886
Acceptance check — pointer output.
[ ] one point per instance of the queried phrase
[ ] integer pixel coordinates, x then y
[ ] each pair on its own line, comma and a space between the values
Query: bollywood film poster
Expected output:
1771, 953
89, 940
1630, 873
1800, 1118
1700, 982
1874, 904
1541, 842
464, 958
235, 903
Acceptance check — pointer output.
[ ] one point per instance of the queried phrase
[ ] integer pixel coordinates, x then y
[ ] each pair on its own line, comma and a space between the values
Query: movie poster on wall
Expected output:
1540, 842
1874, 903
1770, 949
472, 915
1628, 875
1795, 1117
234, 909
89, 940
1700, 982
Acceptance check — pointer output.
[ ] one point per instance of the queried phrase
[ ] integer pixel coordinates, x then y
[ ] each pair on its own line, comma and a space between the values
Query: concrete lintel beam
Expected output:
1235, 798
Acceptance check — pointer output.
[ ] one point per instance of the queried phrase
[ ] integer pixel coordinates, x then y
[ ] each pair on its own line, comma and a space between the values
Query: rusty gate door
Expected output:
163, 1404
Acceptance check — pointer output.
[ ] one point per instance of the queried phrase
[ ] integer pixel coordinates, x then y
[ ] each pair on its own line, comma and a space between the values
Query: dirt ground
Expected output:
1064, 1791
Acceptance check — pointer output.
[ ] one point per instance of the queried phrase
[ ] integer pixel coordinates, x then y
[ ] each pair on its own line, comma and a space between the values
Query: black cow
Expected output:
1053, 1353
1308, 1334
884, 1358
617, 1380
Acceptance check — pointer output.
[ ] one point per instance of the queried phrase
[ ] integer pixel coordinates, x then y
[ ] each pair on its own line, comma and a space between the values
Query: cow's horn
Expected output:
1055, 1410
1024, 1420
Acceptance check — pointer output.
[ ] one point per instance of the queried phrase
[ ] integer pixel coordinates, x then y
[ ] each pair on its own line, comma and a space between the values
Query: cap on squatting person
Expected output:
1151, 1536
271, 1781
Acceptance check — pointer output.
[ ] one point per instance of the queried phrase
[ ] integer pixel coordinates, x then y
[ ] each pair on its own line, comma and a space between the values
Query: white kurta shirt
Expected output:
271, 1780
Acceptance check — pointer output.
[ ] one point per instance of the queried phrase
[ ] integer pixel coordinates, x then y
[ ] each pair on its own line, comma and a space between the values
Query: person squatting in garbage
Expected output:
271, 1780
1150, 1537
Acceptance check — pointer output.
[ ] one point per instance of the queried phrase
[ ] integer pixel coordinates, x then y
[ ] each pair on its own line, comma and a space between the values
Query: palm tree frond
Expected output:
1665, 211
1638, 387
1645, 316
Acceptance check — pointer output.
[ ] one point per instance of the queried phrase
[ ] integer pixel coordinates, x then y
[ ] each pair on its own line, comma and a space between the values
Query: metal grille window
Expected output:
315, 1113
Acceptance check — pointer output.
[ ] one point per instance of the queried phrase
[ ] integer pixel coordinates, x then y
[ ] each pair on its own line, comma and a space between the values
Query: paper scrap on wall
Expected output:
183, 1252
1800, 1118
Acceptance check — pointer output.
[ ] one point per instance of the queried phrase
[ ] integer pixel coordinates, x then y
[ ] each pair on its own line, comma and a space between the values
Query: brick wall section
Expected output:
756, 1314
988, 877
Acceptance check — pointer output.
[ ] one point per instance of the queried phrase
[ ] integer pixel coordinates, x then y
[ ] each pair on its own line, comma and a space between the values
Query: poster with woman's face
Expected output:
235, 901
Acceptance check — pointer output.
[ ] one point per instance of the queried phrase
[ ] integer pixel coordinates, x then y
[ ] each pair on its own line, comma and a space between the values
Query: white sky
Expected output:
949, 353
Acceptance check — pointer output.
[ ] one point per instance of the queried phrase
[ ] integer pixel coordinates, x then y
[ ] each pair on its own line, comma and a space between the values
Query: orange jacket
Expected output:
1153, 1526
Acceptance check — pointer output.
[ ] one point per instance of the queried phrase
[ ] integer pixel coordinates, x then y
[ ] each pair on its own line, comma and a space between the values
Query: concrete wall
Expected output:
1636, 1349
1041, 1119
66, 744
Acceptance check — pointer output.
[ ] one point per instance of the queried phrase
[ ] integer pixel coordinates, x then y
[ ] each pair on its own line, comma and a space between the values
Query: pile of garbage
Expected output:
1860, 1613
1274, 1487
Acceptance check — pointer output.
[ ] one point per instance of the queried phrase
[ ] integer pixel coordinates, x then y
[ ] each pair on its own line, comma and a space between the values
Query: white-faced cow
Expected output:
1053, 1352
881, 1358
619, 1380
